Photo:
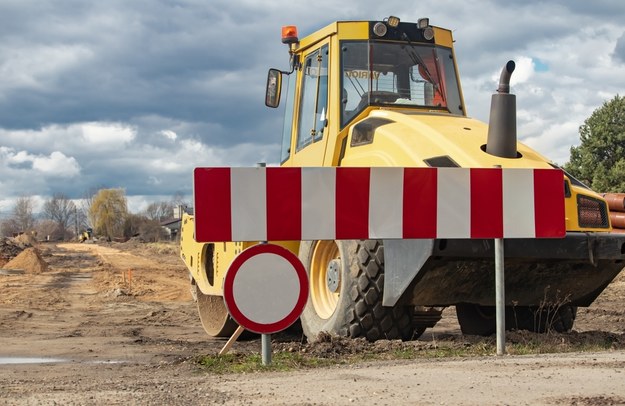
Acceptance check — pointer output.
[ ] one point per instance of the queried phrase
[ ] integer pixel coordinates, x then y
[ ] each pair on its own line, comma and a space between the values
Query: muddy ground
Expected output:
115, 324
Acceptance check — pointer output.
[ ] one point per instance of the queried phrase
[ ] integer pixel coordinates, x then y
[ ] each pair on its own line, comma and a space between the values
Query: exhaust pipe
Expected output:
501, 140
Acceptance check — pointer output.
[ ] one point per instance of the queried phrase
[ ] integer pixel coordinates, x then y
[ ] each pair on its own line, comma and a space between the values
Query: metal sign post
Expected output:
500, 301
265, 291
500, 294
265, 345
265, 339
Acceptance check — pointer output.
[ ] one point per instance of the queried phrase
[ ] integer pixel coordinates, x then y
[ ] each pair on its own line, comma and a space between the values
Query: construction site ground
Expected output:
116, 324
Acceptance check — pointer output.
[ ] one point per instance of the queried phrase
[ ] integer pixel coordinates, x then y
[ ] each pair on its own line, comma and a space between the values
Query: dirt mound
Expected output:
26, 239
10, 248
29, 260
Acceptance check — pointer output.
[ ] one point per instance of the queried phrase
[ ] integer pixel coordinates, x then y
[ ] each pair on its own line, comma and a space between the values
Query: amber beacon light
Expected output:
289, 34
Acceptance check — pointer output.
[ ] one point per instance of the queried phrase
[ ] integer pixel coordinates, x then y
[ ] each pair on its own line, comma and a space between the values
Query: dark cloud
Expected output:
118, 62
183, 80
619, 49
588, 12
21, 165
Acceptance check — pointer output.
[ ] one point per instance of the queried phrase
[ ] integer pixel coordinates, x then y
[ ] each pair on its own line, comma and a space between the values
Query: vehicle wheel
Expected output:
475, 319
214, 315
542, 320
480, 320
346, 286
565, 318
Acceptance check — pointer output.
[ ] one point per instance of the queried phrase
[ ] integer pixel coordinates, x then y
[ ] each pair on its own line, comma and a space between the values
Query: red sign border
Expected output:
234, 310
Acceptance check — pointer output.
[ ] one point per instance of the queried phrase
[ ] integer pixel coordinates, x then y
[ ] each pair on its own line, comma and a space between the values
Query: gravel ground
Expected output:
116, 325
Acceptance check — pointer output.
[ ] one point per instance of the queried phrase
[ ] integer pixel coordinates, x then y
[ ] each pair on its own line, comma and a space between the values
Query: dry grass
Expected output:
333, 350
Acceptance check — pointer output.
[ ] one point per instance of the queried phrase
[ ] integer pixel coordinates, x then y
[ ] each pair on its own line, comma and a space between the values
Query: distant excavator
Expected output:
86, 235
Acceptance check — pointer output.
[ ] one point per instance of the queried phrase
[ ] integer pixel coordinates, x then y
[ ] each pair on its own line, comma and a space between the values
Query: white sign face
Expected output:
266, 288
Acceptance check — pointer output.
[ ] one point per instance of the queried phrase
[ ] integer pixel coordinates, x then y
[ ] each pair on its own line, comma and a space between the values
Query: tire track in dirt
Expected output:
142, 277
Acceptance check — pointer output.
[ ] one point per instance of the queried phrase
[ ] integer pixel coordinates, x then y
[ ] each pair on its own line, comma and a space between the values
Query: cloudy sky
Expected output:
135, 94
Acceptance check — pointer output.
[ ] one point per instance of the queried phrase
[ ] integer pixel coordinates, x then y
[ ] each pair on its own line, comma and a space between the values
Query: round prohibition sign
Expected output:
266, 288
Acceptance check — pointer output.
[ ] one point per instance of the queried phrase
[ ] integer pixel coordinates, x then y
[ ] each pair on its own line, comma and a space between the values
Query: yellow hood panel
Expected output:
408, 138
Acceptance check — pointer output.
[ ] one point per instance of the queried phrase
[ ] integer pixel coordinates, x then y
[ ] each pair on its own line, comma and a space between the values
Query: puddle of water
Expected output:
9, 272
28, 360
40, 360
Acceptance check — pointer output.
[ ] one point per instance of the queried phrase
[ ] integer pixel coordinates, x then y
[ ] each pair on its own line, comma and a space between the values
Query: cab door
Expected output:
310, 128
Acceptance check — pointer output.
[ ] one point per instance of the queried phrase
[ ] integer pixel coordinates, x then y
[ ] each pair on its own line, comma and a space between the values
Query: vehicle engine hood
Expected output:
416, 139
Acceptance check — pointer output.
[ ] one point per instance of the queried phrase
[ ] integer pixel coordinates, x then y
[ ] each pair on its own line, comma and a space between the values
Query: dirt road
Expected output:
108, 326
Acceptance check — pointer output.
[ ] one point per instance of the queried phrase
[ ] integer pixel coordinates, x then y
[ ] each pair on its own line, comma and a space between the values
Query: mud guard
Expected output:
402, 261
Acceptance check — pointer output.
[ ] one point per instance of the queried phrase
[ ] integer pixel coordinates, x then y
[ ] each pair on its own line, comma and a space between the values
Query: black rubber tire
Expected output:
359, 312
475, 319
541, 320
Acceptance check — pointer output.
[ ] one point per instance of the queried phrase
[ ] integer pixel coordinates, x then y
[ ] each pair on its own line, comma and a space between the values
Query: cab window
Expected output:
313, 98
397, 74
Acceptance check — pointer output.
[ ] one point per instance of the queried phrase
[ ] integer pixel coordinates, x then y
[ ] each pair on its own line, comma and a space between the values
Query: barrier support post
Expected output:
231, 340
265, 339
500, 308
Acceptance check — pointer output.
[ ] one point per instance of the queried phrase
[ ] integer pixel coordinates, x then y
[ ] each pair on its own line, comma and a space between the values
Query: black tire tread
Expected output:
371, 319
475, 320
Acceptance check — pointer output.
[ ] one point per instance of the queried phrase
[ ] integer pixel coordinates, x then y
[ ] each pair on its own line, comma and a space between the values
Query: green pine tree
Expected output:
599, 161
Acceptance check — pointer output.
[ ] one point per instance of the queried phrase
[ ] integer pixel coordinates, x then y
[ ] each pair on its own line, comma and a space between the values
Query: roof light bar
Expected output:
428, 33
392, 21
380, 29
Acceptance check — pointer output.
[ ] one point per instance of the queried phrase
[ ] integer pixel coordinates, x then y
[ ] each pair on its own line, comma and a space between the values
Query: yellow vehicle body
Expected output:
387, 93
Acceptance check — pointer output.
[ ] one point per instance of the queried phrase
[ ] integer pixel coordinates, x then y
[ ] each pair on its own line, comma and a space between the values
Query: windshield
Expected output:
394, 74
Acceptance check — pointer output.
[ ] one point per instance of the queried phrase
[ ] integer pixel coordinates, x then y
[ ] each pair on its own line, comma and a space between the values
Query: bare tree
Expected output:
22, 219
62, 211
146, 229
81, 221
180, 204
179, 200
45, 228
159, 211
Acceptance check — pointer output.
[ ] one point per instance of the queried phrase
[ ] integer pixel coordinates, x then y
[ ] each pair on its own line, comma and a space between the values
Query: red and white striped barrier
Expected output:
279, 204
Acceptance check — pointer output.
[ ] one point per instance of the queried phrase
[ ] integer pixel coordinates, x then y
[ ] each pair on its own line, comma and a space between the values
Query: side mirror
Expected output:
274, 86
